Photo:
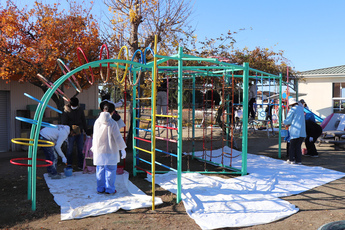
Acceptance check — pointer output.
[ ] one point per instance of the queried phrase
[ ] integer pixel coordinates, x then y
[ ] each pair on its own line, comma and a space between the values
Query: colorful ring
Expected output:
51, 85
149, 49
31, 121
92, 77
50, 163
77, 88
117, 65
29, 96
140, 60
130, 68
20, 142
108, 66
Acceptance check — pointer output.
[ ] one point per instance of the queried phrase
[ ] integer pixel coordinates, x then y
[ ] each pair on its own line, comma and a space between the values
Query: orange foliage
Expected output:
32, 40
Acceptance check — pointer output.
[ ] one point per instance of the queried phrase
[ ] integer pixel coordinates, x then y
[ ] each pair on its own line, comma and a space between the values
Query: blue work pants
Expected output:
51, 155
106, 176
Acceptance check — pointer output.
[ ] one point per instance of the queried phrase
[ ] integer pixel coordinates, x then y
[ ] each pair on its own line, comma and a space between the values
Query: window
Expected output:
338, 96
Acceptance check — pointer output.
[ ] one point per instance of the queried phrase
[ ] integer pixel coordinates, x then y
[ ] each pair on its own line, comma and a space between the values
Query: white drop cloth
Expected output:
248, 200
78, 198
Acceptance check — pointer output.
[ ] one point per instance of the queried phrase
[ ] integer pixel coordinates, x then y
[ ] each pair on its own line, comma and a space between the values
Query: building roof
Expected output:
326, 71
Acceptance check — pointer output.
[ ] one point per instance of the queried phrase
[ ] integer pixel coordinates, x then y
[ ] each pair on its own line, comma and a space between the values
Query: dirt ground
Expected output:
318, 206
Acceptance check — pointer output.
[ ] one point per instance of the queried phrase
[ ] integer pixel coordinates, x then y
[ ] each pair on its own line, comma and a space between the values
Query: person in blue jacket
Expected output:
295, 121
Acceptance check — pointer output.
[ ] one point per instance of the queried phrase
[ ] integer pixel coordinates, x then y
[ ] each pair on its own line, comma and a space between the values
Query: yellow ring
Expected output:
117, 65
19, 141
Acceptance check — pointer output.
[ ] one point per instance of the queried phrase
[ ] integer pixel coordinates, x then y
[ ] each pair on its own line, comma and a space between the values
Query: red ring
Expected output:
82, 52
77, 86
49, 84
50, 163
100, 65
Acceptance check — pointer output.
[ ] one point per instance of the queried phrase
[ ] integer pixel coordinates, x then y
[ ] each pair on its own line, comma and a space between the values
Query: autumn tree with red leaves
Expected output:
31, 41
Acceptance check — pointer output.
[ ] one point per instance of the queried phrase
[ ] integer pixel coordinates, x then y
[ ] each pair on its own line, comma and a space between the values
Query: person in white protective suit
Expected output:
106, 144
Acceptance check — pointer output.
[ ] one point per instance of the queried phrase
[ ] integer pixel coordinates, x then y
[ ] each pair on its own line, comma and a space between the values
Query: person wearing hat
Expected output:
116, 116
74, 117
295, 121
57, 136
107, 142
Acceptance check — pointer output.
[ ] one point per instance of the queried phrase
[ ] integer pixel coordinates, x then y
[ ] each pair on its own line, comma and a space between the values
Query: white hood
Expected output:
104, 117
107, 141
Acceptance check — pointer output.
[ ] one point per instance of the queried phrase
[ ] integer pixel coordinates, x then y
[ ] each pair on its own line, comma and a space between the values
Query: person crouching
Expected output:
106, 144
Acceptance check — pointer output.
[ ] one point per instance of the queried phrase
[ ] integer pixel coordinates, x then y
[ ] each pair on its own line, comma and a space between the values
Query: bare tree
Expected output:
136, 22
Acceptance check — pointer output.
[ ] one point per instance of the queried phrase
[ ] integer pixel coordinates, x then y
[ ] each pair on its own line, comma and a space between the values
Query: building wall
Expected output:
318, 94
18, 101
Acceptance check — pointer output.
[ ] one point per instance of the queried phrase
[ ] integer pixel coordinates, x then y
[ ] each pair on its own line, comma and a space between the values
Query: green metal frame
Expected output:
218, 69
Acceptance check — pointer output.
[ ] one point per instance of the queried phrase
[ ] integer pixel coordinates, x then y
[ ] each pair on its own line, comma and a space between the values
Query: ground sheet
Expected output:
253, 199
77, 196
211, 201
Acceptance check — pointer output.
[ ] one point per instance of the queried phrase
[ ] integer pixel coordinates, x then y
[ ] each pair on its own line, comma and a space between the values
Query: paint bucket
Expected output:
120, 169
68, 171
284, 133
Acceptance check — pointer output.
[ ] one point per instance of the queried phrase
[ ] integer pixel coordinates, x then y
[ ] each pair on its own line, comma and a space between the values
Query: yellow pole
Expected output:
153, 124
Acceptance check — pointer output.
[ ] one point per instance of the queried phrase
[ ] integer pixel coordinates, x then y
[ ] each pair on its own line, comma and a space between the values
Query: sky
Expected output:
310, 32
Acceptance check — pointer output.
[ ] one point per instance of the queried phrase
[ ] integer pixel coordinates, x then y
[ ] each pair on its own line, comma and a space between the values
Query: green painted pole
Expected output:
245, 118
179, 124
35, 130
31, 149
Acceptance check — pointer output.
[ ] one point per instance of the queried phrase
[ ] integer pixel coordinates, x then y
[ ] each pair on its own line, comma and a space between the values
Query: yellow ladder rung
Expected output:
143, 98
169, 116
143, 119
144, 150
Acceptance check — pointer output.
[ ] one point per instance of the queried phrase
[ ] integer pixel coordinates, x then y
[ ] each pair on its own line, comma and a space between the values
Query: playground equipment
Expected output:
208, 70
145, 151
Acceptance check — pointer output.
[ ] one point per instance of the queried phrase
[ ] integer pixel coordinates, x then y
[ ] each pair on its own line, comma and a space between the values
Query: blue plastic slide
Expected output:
316, 116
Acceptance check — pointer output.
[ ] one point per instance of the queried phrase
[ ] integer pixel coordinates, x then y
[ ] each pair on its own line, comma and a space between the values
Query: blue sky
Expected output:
311, 33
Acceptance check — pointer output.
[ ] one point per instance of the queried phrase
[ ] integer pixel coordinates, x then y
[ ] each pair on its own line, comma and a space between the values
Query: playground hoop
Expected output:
31, 121
20, 142
62, 66
33, 98
87, 61
13, 161
108, 66
137, 81
147, 49
130, 68
117, 65
50, 85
